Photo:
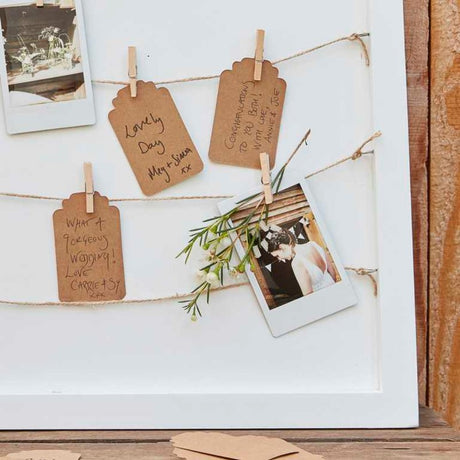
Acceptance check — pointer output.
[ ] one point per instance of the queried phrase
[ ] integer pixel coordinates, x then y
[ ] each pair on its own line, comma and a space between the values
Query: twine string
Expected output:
366, 272
359, 271
355, 156
359, 151
353, 37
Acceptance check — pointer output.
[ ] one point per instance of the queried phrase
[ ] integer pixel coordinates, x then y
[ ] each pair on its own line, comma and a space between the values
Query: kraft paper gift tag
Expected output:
248, 115
154, 137
208, 446
89, 254
43, 455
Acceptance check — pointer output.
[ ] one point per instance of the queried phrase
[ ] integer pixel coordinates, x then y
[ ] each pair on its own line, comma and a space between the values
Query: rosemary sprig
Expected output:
218, 237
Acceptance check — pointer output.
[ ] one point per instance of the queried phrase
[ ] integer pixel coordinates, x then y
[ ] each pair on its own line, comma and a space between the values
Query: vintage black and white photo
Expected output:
42, 53
45, 60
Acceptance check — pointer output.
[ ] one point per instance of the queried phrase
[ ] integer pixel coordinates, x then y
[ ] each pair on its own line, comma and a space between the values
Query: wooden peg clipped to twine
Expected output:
259, 55
132, 70
266, 177
89, 187
40, 3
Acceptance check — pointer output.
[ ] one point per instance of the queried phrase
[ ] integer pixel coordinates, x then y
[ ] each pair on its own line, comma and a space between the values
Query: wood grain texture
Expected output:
432, 428
338, 450
417, 52
434, 439
444, 292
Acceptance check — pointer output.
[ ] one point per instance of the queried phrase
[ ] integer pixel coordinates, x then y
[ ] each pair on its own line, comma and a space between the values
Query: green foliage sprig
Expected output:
218, 237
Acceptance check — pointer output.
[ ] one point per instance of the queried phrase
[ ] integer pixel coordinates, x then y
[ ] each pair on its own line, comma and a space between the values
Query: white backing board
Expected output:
149, 366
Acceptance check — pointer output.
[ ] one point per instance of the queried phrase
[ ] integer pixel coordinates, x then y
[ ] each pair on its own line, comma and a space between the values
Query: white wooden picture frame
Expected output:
148, 366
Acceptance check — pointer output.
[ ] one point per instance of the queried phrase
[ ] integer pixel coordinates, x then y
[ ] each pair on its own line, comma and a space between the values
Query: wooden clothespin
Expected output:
40, 3
132, 70
89, 187
266, 177
259, 56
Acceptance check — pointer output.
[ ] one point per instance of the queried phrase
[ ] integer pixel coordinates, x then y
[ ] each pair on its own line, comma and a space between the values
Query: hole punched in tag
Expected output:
259, 55
132, 70
89, 187
266, 177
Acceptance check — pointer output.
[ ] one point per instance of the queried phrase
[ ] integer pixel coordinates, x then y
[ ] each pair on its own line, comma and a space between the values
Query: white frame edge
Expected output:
395, 405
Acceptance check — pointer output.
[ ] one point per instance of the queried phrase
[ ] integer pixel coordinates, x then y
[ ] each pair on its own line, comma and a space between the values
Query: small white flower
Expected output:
207, 257
212, 278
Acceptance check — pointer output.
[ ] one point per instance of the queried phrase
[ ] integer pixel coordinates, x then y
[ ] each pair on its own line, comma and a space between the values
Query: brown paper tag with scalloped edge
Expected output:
89, 254
154, 137
248, 115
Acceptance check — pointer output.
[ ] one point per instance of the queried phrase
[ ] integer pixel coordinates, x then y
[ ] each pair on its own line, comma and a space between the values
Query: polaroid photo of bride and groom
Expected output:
297, 276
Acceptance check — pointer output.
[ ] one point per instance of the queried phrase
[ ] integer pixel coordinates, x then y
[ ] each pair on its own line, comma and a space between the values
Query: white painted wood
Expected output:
149, 366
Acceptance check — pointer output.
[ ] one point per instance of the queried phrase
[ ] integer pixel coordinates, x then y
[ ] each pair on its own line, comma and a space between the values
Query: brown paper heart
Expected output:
89, 253
248, 115
154, 137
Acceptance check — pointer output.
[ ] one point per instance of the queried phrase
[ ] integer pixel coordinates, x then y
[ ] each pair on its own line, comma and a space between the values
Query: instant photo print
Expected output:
297, 275
44, 66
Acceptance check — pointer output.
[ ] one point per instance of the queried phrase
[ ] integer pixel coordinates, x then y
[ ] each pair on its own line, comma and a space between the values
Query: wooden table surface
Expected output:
433, 78
434, 439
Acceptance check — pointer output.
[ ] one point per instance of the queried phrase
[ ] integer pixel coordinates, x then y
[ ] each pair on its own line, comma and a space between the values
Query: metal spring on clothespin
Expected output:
132, 70
259, 55
266, 177
89, 187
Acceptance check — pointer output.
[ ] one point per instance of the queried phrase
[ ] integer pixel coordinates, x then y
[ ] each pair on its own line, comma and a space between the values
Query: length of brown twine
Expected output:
359, 271
355, 156
353, 37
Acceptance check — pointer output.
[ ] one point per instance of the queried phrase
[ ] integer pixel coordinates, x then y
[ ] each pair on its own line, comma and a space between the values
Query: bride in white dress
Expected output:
311, 264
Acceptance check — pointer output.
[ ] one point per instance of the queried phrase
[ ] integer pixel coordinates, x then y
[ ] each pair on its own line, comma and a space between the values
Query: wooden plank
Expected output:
341, 450
417, 46
444, 317
432, 428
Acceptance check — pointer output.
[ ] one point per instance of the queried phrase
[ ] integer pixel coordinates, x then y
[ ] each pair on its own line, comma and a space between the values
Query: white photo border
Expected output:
306, 309
42, 117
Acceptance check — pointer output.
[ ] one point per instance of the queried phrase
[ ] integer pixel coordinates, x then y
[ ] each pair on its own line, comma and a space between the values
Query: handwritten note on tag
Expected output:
154, 138
248, 115
88, 251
